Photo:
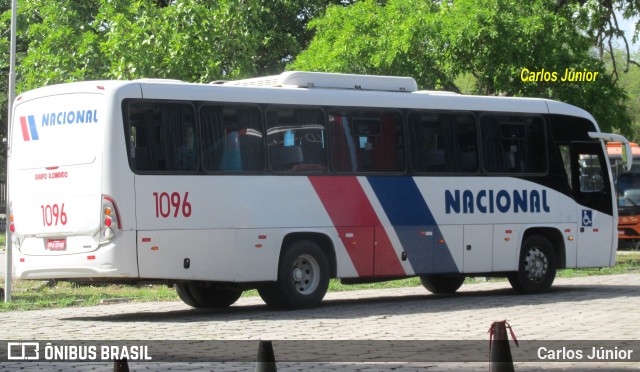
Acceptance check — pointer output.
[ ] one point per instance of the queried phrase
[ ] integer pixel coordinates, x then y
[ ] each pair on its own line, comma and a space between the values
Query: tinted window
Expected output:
296, 139
444, 142
162, 136
513, 144
366, 141
570, 128
231, 138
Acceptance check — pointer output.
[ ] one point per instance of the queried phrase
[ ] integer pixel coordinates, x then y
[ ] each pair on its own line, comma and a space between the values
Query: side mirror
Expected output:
627, 157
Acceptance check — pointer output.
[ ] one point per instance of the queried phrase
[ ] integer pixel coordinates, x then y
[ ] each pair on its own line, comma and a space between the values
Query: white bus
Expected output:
284, 182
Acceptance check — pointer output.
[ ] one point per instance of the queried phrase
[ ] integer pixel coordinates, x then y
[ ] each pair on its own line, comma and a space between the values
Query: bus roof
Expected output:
305, 79
327, 89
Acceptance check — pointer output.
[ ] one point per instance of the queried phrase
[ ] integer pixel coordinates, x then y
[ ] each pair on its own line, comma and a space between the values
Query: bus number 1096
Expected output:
53, 215
173, 204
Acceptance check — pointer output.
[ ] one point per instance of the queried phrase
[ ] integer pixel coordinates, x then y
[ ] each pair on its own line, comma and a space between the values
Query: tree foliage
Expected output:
191, 40
630, 82
492, 40
601, 21
436, 42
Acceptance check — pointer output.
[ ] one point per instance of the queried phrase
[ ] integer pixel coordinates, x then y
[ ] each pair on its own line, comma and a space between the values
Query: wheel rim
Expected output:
305, 274
536, 265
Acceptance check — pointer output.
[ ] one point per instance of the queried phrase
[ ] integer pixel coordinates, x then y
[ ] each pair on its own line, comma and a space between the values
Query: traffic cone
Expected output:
120, 365
266, 359
499, 352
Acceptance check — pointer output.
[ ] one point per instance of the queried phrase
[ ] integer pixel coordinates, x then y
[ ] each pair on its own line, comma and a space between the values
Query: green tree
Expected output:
630, 82
490, 40
601, 20
192, 40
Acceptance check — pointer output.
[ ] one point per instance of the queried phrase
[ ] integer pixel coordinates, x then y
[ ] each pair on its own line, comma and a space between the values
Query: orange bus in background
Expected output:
627, 185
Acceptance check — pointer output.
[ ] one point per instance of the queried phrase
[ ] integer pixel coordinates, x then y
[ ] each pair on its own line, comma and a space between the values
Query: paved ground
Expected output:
593, 309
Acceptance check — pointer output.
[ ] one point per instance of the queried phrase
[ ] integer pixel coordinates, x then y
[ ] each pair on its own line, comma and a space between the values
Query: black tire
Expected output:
442, 284
202, 297
537, 267
303, 278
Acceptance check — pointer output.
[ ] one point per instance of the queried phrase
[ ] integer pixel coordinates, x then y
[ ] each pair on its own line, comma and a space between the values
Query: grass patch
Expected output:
32, 295
336, 286
626, 261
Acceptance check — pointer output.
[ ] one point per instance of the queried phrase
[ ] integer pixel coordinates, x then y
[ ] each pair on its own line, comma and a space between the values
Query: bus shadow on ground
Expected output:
381, 305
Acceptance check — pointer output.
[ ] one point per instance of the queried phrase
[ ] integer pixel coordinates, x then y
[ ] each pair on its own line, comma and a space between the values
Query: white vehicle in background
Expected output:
284, 182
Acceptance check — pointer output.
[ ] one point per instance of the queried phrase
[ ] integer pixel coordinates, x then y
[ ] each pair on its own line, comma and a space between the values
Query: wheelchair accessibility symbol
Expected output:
587, 217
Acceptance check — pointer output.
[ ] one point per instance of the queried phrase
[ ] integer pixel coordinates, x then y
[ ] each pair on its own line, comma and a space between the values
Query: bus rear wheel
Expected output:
537, 267
303, 278
203, 297
442, 284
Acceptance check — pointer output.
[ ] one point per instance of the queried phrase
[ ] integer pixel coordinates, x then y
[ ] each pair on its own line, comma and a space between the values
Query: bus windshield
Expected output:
628, 187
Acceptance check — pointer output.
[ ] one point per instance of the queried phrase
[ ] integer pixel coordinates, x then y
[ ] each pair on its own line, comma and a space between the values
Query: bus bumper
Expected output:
114, 260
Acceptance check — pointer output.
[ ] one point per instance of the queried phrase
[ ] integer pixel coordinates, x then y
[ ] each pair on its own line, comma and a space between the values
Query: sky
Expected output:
628, 25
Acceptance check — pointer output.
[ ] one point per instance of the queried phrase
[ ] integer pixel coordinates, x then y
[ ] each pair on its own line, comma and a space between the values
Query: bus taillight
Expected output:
110, 219
16, 239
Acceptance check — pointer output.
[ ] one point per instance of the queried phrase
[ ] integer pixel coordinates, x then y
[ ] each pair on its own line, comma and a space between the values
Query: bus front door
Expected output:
592, 190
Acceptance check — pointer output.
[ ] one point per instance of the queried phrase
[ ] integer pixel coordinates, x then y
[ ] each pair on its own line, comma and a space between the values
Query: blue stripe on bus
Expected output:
33, 128
414, 224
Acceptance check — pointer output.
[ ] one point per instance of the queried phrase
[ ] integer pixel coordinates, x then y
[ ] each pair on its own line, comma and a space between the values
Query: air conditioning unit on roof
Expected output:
303, 79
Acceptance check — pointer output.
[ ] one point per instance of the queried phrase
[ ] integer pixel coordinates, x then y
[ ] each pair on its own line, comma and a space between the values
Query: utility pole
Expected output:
11, 97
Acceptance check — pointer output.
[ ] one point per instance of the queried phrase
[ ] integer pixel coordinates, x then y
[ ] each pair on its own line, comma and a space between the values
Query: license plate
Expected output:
56, 245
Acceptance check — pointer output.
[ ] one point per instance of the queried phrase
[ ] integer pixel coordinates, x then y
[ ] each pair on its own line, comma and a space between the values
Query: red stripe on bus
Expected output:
387, 262
25, 129
351, 213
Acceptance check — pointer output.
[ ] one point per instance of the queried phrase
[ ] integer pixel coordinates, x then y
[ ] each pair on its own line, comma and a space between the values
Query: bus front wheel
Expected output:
200, 296
303, 278
442, 284
537, 266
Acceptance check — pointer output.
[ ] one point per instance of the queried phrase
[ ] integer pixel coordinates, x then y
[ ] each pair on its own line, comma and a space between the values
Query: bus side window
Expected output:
296, 139
231, 138
565, 155
367, 141
565, 130
185, 158
139, 149
162, 136
513, 143
590, 171
443, 142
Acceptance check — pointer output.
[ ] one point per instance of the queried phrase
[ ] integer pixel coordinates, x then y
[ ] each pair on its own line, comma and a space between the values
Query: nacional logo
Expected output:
30, 128
492, 201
